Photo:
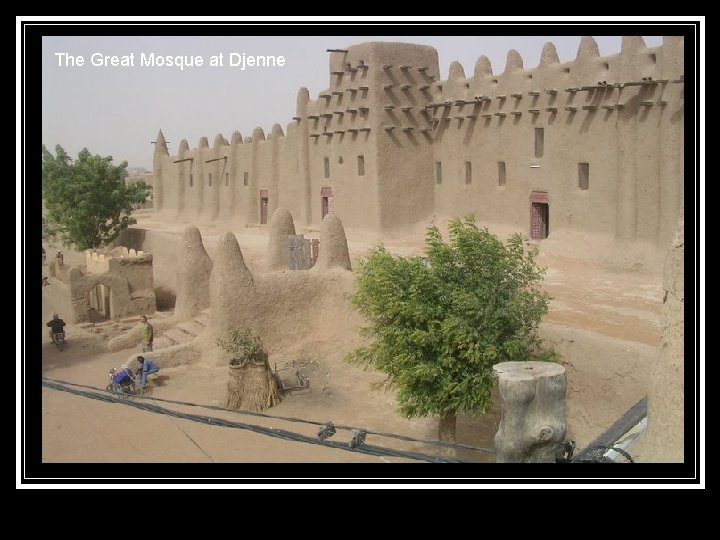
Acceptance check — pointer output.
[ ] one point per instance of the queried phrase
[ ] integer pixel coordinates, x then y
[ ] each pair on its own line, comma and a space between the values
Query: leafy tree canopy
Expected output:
438, 324
87, 199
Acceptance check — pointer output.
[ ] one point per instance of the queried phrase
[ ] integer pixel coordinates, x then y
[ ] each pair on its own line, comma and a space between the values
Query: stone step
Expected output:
202, 319
193, 328
162, 342
178, 336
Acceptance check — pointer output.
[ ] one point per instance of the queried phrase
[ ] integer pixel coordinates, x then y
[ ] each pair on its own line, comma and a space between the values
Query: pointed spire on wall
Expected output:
456, 71
549, 55
588, 48
230, 263
333, 245
203, 143
230, 283
303, 97
276, 132
236, 138
632, 43
258, 134
194, 268
514, 61
219, 141
184, 147
281, 225
483, 67
161, 144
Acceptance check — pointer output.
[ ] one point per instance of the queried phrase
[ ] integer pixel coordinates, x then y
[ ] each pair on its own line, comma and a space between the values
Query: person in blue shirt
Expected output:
146, 367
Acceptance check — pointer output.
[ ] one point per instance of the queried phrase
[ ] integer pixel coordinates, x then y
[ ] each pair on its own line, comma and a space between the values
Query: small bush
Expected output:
243, 345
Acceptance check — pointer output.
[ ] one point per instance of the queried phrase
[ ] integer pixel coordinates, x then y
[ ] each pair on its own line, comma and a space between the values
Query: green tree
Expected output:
439, 324
87, 198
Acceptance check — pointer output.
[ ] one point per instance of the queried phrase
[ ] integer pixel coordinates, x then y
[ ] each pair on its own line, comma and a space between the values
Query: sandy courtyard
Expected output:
604, 322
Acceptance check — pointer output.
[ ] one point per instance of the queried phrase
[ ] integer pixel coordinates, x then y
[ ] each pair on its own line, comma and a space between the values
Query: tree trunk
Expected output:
446, 431
251, 387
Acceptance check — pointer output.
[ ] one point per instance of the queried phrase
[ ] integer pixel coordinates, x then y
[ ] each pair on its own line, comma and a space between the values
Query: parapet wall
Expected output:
620, 117
389, 144
99, 263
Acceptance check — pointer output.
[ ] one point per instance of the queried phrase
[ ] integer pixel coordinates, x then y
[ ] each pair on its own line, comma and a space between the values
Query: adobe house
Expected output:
115, 285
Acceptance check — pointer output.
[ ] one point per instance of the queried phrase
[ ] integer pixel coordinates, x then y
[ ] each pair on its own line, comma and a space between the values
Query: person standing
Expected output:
146, 331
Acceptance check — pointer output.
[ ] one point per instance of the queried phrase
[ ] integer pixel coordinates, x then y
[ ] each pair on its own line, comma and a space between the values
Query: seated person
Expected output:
146, 367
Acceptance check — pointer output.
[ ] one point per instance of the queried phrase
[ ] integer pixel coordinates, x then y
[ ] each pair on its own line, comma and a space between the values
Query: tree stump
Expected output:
532, 427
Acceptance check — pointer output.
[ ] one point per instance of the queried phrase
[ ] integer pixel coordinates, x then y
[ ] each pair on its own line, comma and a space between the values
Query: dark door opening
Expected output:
327, 205
539, 215
99, 303
263, 206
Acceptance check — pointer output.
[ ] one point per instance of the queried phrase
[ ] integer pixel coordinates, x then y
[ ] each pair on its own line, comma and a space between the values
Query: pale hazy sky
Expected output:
118, 110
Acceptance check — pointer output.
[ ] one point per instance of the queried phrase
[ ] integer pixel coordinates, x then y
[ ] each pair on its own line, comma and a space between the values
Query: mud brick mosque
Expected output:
594, 145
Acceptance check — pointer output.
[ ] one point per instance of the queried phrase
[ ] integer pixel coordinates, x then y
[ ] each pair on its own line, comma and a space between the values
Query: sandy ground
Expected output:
604, 321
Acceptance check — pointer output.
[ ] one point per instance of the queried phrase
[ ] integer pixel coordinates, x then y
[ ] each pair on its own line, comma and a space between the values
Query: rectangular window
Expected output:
438, 172
468, 172
227, 178
501, 173
245, 178
539, 141
209, 179
583, 175
190, 179
327, 167
361, 165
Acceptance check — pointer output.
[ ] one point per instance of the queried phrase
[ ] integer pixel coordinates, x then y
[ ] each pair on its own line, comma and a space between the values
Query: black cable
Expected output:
273, 432
293, 419
588, 457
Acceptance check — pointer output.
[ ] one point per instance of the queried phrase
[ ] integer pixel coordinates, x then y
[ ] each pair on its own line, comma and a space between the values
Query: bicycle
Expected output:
124, 386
